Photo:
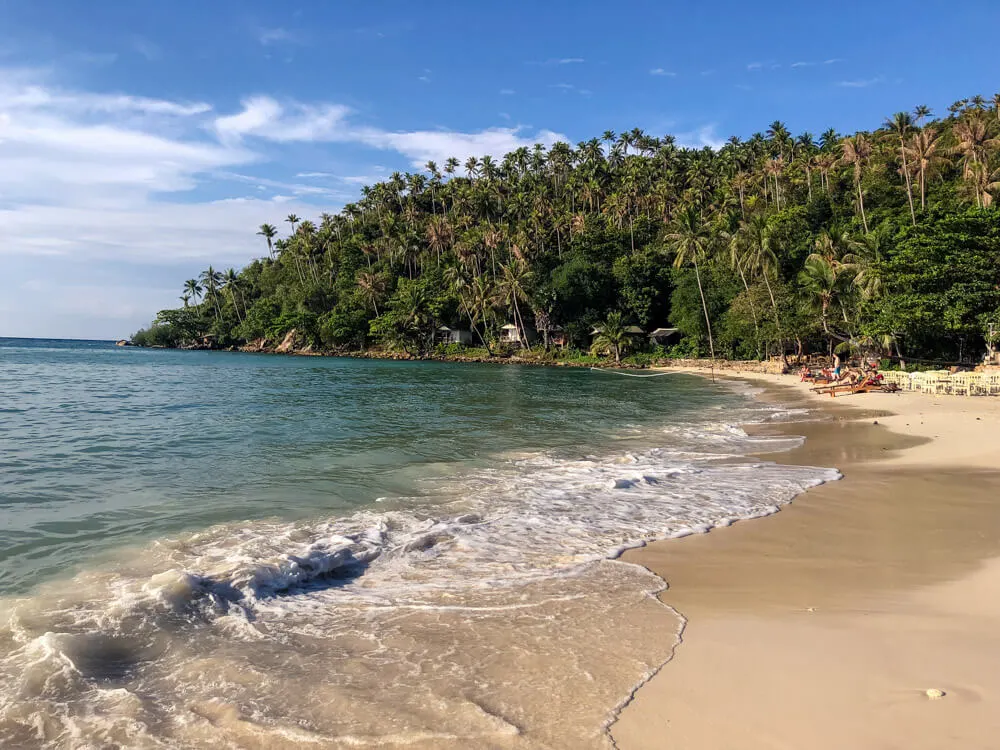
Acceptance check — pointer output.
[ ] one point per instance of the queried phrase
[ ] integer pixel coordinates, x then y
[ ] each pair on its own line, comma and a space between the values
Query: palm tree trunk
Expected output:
708, 323
906, 173
753, 307
861, 205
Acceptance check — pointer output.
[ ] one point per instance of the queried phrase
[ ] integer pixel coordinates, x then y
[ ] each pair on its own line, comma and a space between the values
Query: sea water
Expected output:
203, 549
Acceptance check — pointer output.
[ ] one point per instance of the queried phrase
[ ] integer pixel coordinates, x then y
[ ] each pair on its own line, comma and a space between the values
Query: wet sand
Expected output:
823, 626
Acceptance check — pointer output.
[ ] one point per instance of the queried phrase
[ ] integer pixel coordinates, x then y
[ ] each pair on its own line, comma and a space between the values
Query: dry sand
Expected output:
823, 626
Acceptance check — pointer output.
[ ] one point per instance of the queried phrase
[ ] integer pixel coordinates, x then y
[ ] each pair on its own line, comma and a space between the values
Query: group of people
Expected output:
840, 375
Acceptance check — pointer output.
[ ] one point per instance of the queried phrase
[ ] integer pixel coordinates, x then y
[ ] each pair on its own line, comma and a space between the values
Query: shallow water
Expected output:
208, 549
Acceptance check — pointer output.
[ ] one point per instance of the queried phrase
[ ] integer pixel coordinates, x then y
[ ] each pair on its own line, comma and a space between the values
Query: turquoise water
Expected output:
102, 445
204, 550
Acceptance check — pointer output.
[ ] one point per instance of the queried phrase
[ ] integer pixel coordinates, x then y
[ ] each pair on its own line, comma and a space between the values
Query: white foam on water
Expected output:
402, 627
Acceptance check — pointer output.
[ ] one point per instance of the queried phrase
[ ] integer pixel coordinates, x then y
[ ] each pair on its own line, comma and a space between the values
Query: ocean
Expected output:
207, 549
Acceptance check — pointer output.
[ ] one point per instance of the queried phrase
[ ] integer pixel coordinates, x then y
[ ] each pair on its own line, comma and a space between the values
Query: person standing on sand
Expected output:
836, 367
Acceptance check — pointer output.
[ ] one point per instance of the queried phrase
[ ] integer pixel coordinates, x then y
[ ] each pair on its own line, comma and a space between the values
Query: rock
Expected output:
934, 693
288, 343
124, 342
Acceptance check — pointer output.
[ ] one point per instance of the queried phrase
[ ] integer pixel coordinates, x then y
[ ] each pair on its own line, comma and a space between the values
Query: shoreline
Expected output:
814, 629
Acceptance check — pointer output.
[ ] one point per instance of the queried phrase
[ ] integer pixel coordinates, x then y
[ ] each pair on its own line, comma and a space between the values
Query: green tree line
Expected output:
774, 244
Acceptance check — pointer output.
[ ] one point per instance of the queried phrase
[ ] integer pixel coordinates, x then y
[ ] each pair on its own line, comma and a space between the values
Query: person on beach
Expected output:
836, 367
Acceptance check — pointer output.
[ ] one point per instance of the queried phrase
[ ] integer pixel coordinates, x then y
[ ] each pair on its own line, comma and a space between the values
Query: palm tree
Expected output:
193, 289
925, 157
612, 336
901, 124
373, 285
268, 232
921, 112
185, 298
212, 280
511, 287
293, 220
857, 151
974, 145
691, 241
231, 282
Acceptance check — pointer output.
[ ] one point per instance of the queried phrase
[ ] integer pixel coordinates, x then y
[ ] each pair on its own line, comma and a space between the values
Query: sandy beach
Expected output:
825, 625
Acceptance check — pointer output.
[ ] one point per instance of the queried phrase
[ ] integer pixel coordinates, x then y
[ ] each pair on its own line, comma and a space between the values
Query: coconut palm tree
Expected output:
612, 337
293, 220
193, 289
231, 282
856, 151
691, 241
268, 232
921, 112
926, 158
901, 124
373, 285
974, 146
512, 288
212, 280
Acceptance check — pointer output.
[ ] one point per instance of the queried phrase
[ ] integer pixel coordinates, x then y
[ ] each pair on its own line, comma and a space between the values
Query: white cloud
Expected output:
438, 145
507, 92
265, 117
802, 64
661, 72
89, 178
755, 66
568, 61
700, 138
861, 83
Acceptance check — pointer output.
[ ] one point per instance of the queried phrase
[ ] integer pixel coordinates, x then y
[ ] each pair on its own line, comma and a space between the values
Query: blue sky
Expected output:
142, 140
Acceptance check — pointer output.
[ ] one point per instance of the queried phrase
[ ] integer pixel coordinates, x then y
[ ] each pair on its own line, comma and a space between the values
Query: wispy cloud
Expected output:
507, 92
108, 177
755, 66
802, 64
277, 35
861, 83
146, 48
662, 72
558, 61
424, 79
833, 61
700, 138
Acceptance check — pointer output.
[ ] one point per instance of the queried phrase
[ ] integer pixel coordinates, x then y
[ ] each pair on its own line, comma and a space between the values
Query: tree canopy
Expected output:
770, 244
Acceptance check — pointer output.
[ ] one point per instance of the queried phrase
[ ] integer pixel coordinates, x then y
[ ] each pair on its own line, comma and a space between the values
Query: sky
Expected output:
141, 141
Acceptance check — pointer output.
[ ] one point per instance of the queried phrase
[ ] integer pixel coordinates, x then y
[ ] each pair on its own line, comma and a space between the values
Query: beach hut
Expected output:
665, 336
446, 335
510, 335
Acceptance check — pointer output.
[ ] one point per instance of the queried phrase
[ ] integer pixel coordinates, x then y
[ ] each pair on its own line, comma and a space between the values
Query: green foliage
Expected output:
764, 246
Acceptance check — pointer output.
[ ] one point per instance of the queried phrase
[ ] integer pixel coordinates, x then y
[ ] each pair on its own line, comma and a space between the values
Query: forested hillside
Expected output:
888, 239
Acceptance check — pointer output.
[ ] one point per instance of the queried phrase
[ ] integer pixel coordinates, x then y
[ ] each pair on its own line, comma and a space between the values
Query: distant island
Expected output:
627, 246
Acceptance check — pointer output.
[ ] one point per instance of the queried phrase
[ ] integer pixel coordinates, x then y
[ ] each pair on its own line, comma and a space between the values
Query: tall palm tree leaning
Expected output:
857, 151
612, 337
212, 280
901, 124
691, 240
231, 280
268, 232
